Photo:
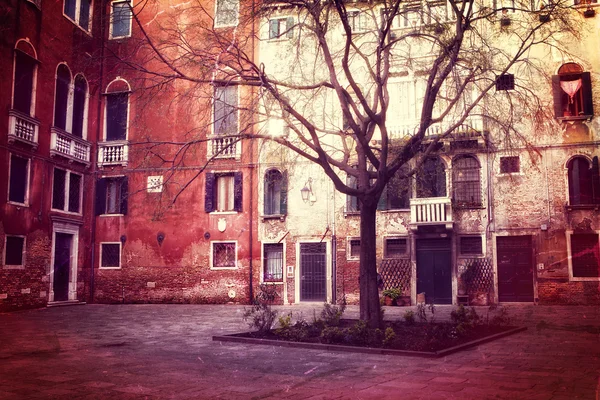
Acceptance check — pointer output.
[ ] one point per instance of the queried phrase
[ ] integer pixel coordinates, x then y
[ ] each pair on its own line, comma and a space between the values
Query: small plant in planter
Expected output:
391, 295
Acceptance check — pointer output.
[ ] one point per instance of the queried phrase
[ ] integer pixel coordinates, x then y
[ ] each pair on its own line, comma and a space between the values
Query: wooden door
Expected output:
434, 270
515, 268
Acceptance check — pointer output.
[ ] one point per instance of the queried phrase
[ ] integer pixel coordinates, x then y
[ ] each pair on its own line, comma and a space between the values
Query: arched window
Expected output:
572, 92
275, 193
61, 97
431, 178
24, 78
117, 107
79, 106
466, 183
583, 181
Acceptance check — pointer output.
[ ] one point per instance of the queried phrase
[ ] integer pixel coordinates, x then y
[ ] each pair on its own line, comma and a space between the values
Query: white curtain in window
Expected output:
570, 88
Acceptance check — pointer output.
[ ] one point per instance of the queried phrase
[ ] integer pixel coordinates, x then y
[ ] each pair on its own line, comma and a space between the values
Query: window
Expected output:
509, 165
584, 2
357, 21
281, 28
505, 82
223, 192
111, 195
154, 184
431, 178
584, 181
24, 83
275, 193
66, 191
14, 251
223, 255
79, 125
572, 92
110, 255
116, 116
352, 202
353, 249
396, 195
585, 255
19, 179
225, 110
465, 181
79, 12
61, 96
411, 16
120, 19
470, 245
226, 13
395, 247
273, 262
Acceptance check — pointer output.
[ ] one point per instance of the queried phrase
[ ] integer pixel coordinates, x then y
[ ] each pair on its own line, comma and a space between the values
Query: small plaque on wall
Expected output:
290, 271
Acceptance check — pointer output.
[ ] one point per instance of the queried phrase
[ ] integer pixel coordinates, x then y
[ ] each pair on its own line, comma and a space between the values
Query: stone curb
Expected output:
369, 350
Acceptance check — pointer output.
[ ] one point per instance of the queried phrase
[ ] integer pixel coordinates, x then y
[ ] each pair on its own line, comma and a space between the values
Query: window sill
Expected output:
229, 26
109, 267
585, 279
111, 215
353, 259
352, 214
89, 33
272, 282
582, 207
18, 204
223, 212
13, 267
575, 118
393, 210
117, 38
467, 256
224, 268
402, 257
468, 207
280, 217
69, 213
504, 174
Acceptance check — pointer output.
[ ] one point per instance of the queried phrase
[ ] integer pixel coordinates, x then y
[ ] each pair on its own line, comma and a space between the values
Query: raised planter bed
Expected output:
253, 338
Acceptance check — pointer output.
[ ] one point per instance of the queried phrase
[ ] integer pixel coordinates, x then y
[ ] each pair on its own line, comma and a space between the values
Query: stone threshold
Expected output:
369, 350
65, 303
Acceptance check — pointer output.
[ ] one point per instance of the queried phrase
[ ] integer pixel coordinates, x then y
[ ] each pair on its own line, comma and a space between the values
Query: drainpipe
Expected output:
95, 152
251, 234
333, 252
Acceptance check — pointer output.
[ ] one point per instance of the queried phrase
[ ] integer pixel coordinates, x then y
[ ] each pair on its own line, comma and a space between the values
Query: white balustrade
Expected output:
224, 147
113, 153
22, 128
431, 210
67, 145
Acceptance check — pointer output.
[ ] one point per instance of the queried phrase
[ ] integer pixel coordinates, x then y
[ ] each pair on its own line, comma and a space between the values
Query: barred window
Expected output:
354, 248
471, 245
585, 256
466, 181
395, 247
273, 262
509, 165
110, 255
224, 255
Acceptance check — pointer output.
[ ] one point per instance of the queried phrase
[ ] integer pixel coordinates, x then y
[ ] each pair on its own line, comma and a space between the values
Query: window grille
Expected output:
509, 165
354, 248
224, 255
505, 82
111, 255
466, 181
396, 247
273, 262
470, 245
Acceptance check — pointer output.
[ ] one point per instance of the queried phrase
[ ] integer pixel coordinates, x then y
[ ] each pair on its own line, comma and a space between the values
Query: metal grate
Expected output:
395, 247
111, 255
224, 255
354, 248
396, 273
585, 255
509, 165
471, 245
479, 275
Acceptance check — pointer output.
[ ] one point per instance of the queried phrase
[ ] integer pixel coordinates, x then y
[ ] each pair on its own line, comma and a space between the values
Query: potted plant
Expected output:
391, 295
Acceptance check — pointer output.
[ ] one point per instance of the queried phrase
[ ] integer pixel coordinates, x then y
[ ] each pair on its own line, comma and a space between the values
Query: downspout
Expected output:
251, 234
333, 253
95, 152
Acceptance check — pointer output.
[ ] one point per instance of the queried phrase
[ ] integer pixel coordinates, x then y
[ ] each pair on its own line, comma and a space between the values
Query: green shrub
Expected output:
390, 337
332, 334
260, 317
331, 314
409, 317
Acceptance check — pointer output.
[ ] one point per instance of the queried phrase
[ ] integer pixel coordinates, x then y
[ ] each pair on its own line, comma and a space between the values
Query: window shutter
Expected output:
557, 95
124, 195
595, 181
273, 28
237, 191
382, 203
586, 91
283, 195
101, 196
209, 193
267, 194
289, 26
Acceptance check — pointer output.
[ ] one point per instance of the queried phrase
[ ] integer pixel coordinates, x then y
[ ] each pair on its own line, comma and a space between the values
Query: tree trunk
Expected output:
369, 293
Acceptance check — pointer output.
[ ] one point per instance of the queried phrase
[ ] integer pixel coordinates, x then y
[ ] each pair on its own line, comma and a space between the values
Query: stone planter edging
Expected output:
369, 350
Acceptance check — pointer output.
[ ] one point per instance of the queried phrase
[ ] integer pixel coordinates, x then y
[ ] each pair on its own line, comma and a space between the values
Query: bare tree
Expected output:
334, 83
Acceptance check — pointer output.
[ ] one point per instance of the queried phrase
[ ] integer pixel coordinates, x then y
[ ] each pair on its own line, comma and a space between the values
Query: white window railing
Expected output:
224, 147
471, 125
432, 210
22, 128
113, 153
64, 144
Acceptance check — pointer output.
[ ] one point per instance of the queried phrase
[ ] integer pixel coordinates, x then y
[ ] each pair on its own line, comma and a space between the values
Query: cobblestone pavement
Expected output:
166, 352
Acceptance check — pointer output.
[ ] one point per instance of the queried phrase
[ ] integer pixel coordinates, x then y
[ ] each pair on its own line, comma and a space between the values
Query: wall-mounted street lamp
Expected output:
307, 192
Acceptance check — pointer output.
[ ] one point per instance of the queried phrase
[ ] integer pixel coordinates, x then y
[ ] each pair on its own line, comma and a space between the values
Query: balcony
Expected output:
69, 146
471, 128
224, 147
113, 153
431, 211
22, 128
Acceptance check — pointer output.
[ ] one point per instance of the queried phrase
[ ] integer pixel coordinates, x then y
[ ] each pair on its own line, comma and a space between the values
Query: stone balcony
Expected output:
470, 128
69, 146
22, 128
224, 147
114, 152
431, 211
